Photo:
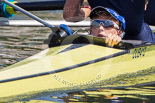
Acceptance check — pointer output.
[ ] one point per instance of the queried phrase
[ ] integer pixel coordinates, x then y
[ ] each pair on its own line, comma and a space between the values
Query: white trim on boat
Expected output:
35, 23
52, 22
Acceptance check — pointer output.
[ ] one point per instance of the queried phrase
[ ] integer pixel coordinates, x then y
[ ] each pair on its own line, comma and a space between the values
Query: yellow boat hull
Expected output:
55, 69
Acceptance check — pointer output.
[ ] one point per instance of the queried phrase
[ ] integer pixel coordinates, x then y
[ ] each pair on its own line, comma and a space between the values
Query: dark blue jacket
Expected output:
133, 11
149, 16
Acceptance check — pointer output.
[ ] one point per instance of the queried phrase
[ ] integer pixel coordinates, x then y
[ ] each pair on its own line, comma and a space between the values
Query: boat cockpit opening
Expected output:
53, 41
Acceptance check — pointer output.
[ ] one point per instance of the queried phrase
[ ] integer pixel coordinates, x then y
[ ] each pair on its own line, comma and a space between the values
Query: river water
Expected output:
18, 43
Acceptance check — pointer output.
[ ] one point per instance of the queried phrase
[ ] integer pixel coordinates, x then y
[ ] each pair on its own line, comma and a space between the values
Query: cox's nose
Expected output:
101, 28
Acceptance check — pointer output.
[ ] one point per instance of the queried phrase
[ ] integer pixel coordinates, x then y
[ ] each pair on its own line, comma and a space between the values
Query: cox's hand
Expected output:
112, 40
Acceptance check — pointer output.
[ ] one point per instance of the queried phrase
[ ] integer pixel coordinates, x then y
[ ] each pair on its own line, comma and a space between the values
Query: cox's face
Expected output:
102, 31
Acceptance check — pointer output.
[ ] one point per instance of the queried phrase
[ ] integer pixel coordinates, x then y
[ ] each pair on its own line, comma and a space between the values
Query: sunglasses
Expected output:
105, 23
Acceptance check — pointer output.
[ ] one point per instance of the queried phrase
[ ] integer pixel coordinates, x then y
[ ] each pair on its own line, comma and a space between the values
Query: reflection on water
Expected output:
143, 94
127, 95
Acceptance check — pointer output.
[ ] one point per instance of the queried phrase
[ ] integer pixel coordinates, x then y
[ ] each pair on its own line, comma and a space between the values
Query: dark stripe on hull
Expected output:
73, 47
68, 68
